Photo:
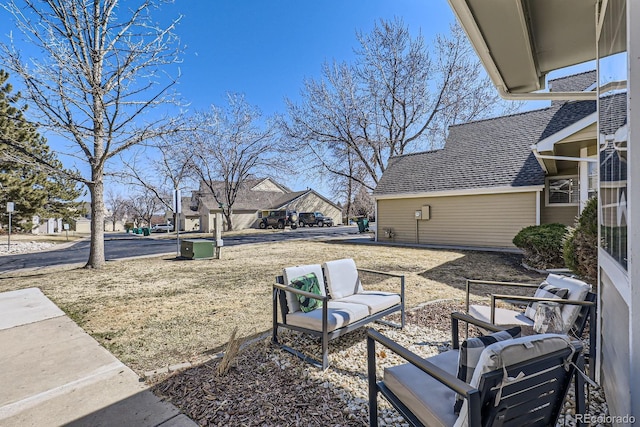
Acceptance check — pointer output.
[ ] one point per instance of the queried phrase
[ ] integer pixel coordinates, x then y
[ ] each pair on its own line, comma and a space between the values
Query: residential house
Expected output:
43, 224
519, 44
189, 219
494, 177
255, 197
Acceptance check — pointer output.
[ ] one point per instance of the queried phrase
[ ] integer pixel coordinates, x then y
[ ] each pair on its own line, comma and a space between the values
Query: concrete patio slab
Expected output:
54, 373
25, 306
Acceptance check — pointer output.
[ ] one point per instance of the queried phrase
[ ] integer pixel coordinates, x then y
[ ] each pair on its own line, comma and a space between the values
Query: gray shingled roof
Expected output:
250, 199
613, 115
483, 154
574, 83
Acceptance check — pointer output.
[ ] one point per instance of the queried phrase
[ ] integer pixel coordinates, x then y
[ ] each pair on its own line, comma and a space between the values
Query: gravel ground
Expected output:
267, 386
22, 247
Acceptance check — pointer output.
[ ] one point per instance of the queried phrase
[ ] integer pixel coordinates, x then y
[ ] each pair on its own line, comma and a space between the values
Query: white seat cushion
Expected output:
342, 278
427, 398
339, 314
292, 273
376, 301
503, 316
578, 291
510, 352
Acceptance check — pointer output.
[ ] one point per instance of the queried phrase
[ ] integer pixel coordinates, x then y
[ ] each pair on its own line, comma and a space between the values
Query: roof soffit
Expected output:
520, 41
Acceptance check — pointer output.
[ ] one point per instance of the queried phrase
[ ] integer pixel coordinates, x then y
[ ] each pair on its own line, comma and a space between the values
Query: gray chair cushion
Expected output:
376, 301
339, 314
578, 291
503, 316
427, 398
510, 352
470, 352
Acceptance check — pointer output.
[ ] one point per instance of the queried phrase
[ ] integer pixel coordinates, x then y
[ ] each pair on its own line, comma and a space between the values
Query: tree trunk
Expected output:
349, 197
227, 215
96, 248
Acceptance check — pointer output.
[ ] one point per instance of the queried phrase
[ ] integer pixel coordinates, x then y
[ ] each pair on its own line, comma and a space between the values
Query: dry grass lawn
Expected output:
156, 312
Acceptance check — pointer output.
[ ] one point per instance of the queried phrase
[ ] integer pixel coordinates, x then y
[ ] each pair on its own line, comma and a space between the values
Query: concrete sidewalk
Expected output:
53, 373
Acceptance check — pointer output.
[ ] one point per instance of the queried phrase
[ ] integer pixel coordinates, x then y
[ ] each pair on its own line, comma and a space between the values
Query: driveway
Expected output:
122, 245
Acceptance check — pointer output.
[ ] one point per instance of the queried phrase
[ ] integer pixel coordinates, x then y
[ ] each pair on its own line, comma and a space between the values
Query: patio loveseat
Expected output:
328, 301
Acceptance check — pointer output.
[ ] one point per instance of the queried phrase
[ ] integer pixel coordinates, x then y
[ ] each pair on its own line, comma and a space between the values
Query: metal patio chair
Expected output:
517, 382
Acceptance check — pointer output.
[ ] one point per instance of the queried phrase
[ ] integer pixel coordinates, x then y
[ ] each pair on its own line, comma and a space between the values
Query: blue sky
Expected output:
265, 49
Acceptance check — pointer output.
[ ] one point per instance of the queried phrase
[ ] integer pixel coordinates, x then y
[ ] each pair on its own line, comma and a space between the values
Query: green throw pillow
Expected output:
308, 283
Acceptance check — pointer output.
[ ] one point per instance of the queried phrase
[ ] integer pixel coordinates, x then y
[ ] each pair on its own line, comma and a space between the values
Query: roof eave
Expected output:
459, 192
512, 39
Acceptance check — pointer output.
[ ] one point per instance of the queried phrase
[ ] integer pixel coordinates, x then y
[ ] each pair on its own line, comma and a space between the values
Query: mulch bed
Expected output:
267, 386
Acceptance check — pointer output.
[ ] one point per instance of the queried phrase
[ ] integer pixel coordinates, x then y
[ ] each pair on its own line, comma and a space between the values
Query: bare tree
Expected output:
363, 203
142, 207
230, 145
101, 73
397, 97
162, 175
117, 205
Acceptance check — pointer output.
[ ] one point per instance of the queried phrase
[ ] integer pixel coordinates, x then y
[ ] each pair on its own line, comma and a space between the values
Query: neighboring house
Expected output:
189, 217
50, 225
494, 177
46, 225
519, 43
255, 197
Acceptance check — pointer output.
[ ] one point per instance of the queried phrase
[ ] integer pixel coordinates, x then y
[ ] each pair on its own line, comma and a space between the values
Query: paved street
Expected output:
122, 245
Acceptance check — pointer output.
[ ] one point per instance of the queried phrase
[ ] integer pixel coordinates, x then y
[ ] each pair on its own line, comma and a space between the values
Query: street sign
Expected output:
10, 206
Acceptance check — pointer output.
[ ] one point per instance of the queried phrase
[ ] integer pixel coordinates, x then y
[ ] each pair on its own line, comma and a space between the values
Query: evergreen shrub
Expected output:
581, 244
542, 245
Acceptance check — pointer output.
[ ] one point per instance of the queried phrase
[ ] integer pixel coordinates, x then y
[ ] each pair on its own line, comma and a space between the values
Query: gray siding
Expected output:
616, 347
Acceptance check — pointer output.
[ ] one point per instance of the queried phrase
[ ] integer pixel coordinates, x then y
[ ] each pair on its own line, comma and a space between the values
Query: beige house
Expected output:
494, 177
256, 196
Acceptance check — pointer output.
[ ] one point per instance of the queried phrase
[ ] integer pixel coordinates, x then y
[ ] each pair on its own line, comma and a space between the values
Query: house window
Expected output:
592, 171
563, 190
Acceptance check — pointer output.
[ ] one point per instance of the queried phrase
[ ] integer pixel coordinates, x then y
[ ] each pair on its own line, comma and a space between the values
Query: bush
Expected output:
581, 244
542, 245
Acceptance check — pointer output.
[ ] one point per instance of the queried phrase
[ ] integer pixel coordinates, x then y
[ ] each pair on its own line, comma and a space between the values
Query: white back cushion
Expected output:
510, 352
342, 278
578, 291
291, 273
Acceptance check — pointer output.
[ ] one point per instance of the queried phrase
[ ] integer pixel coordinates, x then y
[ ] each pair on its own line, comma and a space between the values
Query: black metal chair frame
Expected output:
279, 297
587, 311
479, 413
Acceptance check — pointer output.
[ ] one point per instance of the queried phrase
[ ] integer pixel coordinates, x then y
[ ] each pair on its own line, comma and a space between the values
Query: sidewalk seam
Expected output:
22, 405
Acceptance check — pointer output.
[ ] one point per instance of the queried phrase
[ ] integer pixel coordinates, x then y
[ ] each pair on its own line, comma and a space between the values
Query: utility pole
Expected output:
10, 207
177, 210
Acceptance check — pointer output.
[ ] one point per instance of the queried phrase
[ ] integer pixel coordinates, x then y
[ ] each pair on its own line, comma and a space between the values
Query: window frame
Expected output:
547, 203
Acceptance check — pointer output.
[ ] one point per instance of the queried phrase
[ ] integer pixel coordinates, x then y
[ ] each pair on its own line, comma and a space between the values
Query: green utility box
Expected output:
197, 249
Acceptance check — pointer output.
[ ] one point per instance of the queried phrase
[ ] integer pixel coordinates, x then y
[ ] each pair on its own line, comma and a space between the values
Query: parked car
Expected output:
162, 228
280, 219
314, 218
